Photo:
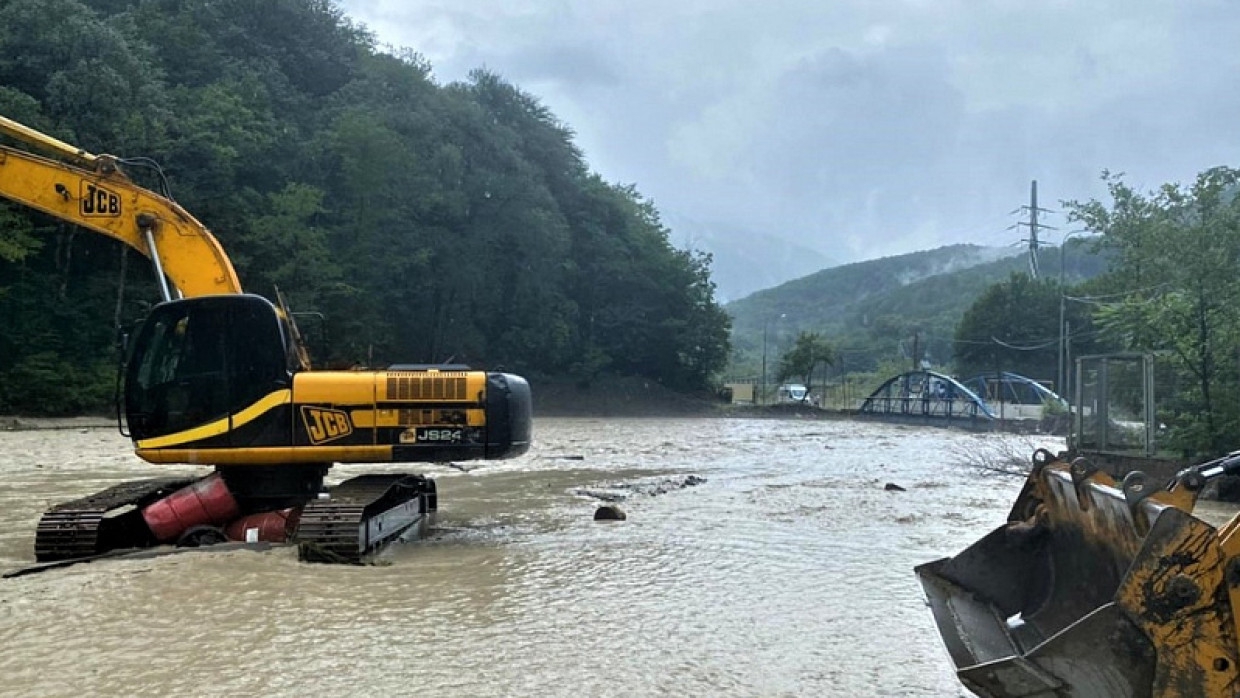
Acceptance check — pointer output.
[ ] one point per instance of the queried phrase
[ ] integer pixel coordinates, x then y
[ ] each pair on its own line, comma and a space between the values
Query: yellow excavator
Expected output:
1096, 588
219, 377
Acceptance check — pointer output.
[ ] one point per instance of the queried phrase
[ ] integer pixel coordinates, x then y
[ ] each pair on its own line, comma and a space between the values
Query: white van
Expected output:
791, 392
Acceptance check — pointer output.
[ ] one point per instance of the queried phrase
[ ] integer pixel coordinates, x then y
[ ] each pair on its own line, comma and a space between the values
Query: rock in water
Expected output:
893, 487
609, 512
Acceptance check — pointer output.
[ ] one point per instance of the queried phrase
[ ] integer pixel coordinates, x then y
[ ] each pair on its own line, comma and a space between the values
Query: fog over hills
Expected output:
746, 261
824, 292
749, 262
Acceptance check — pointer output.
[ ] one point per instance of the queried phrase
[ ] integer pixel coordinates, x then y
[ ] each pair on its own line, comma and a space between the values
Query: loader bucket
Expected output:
1091, 589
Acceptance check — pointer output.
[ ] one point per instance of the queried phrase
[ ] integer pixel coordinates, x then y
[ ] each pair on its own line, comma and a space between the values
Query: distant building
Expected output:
739, 393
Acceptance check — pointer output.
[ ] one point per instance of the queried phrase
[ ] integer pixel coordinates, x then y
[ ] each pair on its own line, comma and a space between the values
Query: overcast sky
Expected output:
860, 128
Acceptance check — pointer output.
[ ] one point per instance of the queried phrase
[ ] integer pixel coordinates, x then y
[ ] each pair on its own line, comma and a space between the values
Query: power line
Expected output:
1035, 347
1041, 343
1118, 294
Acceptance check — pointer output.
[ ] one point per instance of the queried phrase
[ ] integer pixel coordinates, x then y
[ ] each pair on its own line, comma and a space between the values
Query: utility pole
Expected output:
1033, 229
762, 390
1034, 226
1065, 367
916, 350
766, 321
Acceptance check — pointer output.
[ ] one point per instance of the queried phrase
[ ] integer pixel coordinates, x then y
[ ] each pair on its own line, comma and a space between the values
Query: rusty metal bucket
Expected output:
1091, 589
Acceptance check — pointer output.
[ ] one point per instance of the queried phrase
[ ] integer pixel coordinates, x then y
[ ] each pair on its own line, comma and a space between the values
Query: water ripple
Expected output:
787, 573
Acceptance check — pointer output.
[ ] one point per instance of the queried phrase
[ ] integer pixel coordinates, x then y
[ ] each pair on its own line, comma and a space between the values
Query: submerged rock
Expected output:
609, 512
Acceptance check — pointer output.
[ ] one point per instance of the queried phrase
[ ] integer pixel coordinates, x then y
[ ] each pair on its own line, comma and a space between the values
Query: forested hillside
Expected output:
426, 222
876, 310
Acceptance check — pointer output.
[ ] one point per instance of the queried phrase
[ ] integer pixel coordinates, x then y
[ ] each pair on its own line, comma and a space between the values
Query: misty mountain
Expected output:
746, 261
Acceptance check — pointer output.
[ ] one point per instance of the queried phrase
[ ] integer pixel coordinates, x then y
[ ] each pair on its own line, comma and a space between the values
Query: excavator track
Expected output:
83, 527
361, 516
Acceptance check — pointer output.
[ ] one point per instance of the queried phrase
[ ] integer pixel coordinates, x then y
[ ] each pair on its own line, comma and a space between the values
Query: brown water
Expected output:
789, 572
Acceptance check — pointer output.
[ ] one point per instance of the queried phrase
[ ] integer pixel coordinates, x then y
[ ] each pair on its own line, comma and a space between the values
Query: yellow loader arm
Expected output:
1096, 588
91, 191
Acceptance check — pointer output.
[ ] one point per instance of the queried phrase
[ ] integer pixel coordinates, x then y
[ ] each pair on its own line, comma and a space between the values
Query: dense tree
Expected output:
17, 237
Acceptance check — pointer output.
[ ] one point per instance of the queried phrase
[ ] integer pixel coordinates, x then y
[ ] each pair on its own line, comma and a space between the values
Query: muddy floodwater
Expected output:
787, 573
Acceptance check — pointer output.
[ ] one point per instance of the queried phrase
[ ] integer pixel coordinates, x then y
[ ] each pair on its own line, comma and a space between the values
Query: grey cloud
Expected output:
858, 128
574, 66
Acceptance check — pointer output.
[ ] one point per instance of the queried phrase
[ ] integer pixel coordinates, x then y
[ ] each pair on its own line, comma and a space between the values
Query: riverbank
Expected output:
635, 397
623, 397
20, 423
618, 397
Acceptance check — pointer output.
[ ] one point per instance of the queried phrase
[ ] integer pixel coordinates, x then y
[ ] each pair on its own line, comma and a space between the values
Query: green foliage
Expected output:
17, 237
290, 250
426, 222
46, 383
1174, 292
1055, 408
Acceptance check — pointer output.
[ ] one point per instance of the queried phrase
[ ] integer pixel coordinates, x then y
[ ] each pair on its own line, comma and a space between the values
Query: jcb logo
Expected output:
324, 425
97, 201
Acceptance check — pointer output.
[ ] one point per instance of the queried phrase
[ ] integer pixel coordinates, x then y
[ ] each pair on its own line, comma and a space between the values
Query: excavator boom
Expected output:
41, 141
93, 192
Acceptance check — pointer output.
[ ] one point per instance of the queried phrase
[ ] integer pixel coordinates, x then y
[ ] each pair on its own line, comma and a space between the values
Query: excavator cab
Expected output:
198, 360
1095, 588
223, 379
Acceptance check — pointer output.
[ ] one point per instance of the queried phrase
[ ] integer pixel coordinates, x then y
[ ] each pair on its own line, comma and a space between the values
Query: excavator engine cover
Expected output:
1092, 589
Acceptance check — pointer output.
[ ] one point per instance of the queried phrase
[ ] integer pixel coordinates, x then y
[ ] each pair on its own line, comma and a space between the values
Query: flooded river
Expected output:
787, 573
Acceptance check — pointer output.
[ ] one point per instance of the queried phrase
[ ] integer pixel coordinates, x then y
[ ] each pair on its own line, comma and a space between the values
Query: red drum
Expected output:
206, 502
269, 526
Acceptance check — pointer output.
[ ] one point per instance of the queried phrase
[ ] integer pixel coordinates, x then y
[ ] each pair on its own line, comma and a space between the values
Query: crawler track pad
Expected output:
364, 515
